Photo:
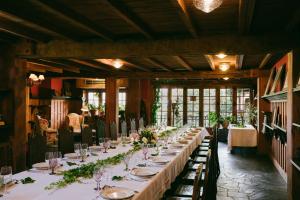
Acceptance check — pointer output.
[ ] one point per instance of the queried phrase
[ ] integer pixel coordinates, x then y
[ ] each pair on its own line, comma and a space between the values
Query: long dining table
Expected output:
149, 189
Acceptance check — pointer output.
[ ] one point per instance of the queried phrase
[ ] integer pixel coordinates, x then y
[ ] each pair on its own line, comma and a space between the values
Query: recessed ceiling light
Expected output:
221, 55
224, 66
226, 78
118, 63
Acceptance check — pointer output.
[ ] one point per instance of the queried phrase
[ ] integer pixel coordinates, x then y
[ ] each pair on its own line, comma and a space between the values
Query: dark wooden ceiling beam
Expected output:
211, 45
157, 63
65, 67
33, 64
181, 8
265, 60
239, 61
96, 66
246, 11
210, 60
127, 15
69, 15
75, 64
136, 65
253, 73
183, 63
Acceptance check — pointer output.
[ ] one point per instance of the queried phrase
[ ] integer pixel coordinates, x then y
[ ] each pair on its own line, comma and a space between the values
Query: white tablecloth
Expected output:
151, 189
242, 137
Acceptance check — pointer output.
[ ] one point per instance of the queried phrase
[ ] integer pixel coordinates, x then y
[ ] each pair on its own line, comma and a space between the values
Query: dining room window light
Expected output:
93, 98
243, 100
226, 102
162, 112
122, 100
209, 104
193, 107
177, 104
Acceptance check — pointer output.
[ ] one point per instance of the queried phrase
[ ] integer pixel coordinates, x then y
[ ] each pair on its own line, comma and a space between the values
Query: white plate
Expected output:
115, 193
169, 152
41, 166
177, 146
95, 148
71, 155
143, 172
160, 160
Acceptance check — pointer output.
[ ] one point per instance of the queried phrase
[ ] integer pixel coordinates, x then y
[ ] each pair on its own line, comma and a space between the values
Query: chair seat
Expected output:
200, 159
202, 153
194, 166
206, 140
184, 190
203, 148
204, 145
179, 198
189, 177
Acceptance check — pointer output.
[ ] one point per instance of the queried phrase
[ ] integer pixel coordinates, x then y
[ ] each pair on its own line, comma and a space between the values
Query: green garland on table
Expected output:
86, 170
166, 133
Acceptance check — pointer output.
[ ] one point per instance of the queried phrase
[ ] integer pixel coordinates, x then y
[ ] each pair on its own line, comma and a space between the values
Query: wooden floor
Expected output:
248, 176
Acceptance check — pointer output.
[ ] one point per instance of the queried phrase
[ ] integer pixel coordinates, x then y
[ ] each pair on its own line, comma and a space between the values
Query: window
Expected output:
209, 104
93, 98
243, 99
103, 99
193, 107
162, 112
122, 100
177, 103
225, 102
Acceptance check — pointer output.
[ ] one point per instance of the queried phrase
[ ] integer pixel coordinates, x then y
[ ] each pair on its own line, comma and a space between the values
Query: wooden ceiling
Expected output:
66, 37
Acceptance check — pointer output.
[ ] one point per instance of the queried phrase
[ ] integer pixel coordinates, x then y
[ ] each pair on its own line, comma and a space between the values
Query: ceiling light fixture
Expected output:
226, 78
34, 79
224, 66
118, 63
207, 5
221, 55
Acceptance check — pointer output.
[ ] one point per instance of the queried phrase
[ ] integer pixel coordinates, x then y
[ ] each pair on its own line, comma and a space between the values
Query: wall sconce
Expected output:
35, 80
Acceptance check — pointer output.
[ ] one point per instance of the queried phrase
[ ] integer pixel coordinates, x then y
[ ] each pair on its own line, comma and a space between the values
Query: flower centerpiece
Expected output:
148, 136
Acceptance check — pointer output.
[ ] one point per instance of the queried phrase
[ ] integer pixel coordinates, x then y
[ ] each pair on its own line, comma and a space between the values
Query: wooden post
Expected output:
262, 105
147, 94
234, 102
170, 112
184, 105
218, 101
201, 104
111, 103
133, 99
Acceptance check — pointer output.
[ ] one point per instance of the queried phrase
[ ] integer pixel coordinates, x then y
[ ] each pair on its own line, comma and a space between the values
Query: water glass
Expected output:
58, 156
145, 150
6, 174
77, 147
97, 175
106, 144
48, 156
83, 151
53, 164
126, 160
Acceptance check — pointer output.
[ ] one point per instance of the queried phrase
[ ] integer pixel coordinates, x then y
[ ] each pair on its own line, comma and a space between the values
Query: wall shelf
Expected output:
296, 164
280, 128
297, 125
276, 96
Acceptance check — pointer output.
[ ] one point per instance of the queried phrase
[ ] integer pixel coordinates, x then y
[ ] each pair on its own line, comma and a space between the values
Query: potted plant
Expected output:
92, 108
251, 111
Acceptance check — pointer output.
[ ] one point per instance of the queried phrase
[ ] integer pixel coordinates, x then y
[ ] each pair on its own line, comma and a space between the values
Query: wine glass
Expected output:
97, 175
145, 150
52, 162
83, 151
126, 160
48, 156
77, 147
6, 173
106, 144
58, 156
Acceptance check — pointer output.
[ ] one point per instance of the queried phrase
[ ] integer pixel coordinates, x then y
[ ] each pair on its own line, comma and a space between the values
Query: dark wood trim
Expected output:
169, 118
31, 65
265, 60
50, 63
218, 100
82, 62
234, 101
157, 63
183, 63
201, 105
210, 61
135, 65
184, 105
246, 11
239, 61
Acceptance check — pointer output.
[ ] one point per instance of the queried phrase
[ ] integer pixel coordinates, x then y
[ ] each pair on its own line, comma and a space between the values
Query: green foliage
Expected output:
251, 111
148, 134
117, 178
213, 119
155, 106
86, 170
27, 180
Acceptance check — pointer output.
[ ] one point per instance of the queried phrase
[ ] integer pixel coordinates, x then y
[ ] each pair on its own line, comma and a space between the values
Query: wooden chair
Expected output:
113, 130
87, 136
100, 130
184, 191
132, 124
6, 154
65, 141
74, 122
37, 147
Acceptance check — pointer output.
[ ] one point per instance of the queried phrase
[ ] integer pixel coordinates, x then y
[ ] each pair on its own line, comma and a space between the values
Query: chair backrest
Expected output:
124, 128
74, 121
100, 130
132, 124
37, 145
5, 154
141, 123
197, 183
206, 178
113, 130
87, 136
65, 141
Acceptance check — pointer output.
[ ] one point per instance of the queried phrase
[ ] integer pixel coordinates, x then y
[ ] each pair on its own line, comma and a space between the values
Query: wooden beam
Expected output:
69, 15
246, 10
32, 65
253, 73
210, 61
239, 61
183, 63
35, 68
138, 66
127, 15
157, 63
83, 62
180, 6
134, 48
59, 65
265, 60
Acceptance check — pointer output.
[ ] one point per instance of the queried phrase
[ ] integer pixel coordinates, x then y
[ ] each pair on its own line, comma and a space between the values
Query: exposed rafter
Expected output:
210, 61
32, 65
157, 63
185, 16
183, 63
125, 49
132, 19
59, 65
246, 10
135, 65
69, 15
239, 61
265, 60
83, 62
253, 73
